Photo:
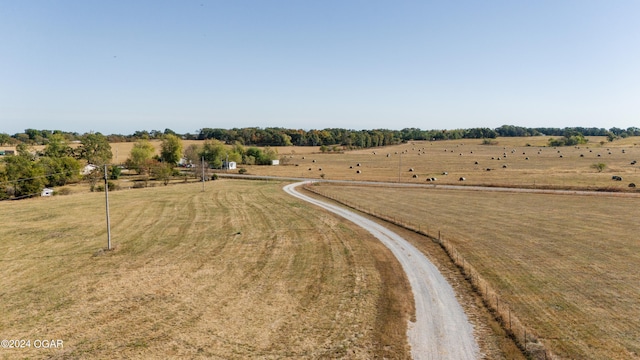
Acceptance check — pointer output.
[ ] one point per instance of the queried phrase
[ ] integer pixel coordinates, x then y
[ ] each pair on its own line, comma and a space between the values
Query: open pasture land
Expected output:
567, 265
241, 270
536, 165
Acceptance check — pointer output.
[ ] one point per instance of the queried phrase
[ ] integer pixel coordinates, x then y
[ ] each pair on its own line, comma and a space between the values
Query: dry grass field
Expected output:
567, 265
535, 166
241, 270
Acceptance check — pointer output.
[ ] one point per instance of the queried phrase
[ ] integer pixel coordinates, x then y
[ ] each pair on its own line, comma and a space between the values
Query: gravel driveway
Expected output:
441, 330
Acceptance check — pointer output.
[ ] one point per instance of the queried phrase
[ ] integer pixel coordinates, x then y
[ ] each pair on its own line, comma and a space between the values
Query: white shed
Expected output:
275, 162
231, 165
88, 169
46, 192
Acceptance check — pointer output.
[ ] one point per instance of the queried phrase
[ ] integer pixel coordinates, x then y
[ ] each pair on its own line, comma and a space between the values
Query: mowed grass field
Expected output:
567, 265
241, 270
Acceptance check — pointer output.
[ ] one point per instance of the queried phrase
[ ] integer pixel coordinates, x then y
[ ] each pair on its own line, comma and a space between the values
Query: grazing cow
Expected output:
445, 173
462, 179
415, 176
410, 169
504, 166
616, 178
632, 185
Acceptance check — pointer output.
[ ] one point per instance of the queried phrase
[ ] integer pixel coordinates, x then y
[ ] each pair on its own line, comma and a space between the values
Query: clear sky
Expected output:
121, 66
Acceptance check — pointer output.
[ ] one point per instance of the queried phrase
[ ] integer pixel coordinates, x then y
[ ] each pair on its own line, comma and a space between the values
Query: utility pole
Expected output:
203, 173
399, 165
106, 195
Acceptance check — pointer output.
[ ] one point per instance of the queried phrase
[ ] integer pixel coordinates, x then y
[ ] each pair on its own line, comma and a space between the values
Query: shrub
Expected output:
62, 191
599, 166
242, 171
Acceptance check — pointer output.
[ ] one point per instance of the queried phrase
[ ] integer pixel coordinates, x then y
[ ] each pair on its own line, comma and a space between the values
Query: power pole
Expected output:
203, 173
399, 165
106, 195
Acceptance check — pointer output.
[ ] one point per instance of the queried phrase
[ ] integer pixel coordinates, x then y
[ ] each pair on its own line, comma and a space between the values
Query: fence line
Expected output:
524, 337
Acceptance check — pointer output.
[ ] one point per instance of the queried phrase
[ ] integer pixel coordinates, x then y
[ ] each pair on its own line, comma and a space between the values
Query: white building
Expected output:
46, 192
88, 169
231, 165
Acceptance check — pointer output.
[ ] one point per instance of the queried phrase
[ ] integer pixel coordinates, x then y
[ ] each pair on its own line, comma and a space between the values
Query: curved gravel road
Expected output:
441, 330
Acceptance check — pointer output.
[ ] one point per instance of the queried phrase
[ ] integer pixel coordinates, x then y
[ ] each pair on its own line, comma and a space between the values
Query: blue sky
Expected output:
122, 66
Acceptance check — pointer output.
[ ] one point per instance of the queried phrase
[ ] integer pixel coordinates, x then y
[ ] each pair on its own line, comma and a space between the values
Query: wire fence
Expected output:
525, 338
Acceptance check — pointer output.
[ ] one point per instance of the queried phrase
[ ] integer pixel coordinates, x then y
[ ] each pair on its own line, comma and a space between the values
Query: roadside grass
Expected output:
565, 264
240, 270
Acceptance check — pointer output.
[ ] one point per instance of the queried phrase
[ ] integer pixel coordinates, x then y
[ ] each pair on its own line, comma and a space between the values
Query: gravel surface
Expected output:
441, 329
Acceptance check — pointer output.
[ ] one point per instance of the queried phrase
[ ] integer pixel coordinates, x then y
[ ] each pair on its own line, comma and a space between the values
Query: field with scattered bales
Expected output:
513, 162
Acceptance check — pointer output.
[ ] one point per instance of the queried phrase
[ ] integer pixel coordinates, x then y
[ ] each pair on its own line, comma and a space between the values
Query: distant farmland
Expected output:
534, 166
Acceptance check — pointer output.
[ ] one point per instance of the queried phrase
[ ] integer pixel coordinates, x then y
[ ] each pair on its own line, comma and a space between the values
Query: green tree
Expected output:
26, 176
140, 156
57, 147
213, 152
95, 149
4, 139
163, 172
60, 170
171, 149
571, 138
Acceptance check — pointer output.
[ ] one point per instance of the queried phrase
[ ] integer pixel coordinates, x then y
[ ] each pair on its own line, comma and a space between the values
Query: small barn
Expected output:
46, 192
231, 165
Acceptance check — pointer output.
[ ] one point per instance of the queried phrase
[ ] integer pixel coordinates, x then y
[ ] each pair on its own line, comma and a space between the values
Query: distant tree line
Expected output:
255, 136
